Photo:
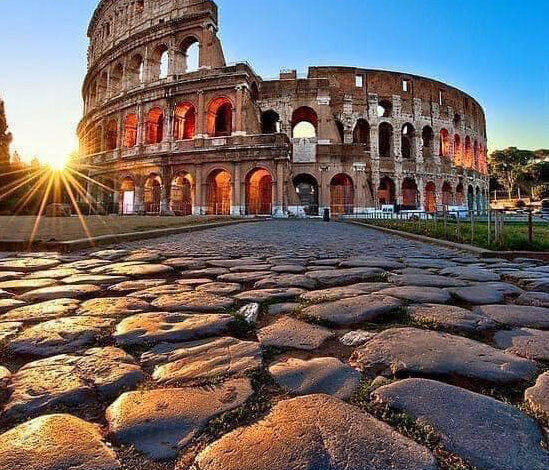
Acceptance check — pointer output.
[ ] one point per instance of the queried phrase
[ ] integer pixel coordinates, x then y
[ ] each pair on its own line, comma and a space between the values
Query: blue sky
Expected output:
495, 50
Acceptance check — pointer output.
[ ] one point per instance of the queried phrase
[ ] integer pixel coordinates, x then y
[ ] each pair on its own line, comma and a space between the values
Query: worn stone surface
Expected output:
451, 317
203, 359
135, 269
42, 311
59, 336
286, 280
471, 274
487, 433
478, 295
425, 280
151, 328
20, 286
159, 423
284, 308
28, 265
341, 277
319, 375
269, 295
538, 395
136, 285
193, 302
56, 273
95, 279
316, 432
534, 299
9, 304
338, 293
220, 288
517, 315
353, 310
244, 277
56, 442
524, 342
153, 293
356, 338
415, 351
81, 291
371, 262
287, 332
418, 294
113, 307
9, 330
71, 380
289, 268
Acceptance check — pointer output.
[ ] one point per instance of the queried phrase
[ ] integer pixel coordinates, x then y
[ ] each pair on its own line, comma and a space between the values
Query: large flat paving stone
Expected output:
353, 310
56, 442
341, 277
203, 359
286, 280
478, 295
135, 269
193, 302
9, 304
28, 265
451, 317
95, 279
160, 423
289, 268
415, 351
220, 288
127, 287
113, 307
42, 311
471, 274
185, 263
338, 293
269, 295
517, 315
158, 327
244, 277
152, 293
538, 395
418, 294
287, 332
110, 255
9, 330
63, 335
316, 432
371, 262
97, 374
56, 273
431, 262
524, 342
319, 375
487, 433
534, 299
21, 286
425, 280
81, 291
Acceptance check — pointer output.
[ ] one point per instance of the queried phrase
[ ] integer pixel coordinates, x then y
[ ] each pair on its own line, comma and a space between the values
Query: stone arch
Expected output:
155, 125
131, 123
111, 135
270, 122
306, 188
361, 133
460, 197
427, 136
447, 194
184, 121
407, 140
152, 194
445, 147
342, 194
468, 153
304, 122
340, 131
259, 192
458, 151
127, 195
409, 194
385, 108
430, 197
471, 198
190, 50
385, 140
102, 86
160, 62
181, 194
135, 71
220, 117
219, 192
117, 78
386, 191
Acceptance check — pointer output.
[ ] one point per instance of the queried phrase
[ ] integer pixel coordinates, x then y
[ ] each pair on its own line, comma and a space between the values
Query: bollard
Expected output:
326, 215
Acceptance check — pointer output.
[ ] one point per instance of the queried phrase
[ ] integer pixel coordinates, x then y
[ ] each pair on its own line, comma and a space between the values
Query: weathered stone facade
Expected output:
220, 140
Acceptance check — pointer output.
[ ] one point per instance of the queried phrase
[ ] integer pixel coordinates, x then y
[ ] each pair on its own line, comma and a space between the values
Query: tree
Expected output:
509, 166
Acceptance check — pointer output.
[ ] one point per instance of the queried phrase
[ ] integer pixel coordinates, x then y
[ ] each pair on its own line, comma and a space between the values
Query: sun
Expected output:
55, 162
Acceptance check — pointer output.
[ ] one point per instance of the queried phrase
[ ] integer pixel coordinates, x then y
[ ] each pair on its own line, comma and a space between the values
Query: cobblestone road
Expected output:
277, 345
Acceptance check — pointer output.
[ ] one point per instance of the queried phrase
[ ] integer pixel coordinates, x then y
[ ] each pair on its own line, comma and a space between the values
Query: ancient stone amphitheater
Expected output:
173, 129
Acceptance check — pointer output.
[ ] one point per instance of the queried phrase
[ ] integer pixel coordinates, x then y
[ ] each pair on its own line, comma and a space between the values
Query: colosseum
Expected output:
170, 128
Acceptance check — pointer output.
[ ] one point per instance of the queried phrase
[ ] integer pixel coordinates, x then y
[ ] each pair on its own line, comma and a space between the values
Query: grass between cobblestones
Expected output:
515, 235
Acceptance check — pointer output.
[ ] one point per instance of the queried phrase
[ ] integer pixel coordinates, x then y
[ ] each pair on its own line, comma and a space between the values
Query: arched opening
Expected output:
220, 118
306, 188
407, 141
457, 120
427, 136
384, 108
160, 62
259, 192
304, 123
386, 192
409, 194
460, 198
181, 195
93, 94
152, 194
270, 122
102, 86
155, 126
342, 195
471, 198
445, 147
468, 153
340, 131
458, 151
479, 204
111, 138
190, 49
127, 189
447, 196
136, 71
184, 122
117, 76
97, 145
130, 130
385, 140
361, 133
219, 193
430, 197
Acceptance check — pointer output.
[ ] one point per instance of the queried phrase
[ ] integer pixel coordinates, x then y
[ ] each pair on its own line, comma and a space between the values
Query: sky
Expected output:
495, 50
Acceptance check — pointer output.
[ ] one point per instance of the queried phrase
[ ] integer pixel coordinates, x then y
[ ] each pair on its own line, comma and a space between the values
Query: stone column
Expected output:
164, 201
198, 208
278, 206
237, 205
238, 126
139, 203
200, 116
141, 125
168, 125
